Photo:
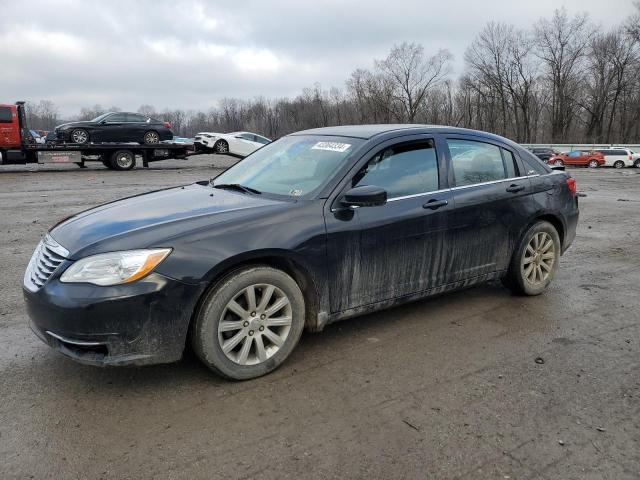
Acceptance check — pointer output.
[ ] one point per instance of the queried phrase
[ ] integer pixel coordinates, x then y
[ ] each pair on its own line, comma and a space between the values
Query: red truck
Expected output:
17, 146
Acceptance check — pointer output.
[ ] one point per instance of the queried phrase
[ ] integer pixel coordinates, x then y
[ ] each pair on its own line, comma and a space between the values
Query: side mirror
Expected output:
364, 196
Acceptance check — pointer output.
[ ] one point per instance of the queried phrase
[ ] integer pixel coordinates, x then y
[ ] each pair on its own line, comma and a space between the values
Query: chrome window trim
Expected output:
460, 187
434, 192
415, 195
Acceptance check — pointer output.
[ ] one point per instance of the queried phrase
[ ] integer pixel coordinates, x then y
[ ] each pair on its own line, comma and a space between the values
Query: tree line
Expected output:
566, 79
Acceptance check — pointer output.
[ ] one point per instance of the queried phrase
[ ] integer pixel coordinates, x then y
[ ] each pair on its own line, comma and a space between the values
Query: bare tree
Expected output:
632, 25
148, 110
562, 43
412, 75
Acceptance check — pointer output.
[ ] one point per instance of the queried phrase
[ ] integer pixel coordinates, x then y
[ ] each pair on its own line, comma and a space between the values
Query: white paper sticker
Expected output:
331, 146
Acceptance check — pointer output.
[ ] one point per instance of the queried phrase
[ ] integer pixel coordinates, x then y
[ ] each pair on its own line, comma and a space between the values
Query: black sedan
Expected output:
543, 153
121, 127
316, 227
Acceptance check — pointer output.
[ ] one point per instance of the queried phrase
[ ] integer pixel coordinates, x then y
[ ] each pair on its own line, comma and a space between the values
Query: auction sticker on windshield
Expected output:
331, 146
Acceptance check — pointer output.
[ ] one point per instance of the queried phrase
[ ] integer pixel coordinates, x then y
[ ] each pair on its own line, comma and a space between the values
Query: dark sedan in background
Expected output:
315, 227
543, 153
115, 127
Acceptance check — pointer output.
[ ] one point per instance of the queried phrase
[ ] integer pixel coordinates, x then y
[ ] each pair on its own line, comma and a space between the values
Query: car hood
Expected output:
153, 219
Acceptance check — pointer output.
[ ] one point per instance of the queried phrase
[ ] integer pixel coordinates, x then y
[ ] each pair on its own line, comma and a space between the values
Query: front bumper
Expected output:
140, 323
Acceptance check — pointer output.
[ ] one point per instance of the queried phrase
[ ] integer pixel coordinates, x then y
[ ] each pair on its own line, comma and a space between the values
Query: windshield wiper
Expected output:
237, 186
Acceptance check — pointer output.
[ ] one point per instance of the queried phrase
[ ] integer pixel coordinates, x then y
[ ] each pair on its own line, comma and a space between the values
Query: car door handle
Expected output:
434, 204
514, 187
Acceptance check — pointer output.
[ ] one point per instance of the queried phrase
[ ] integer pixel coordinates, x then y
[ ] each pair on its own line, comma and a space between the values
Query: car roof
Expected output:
127, 113
367, 132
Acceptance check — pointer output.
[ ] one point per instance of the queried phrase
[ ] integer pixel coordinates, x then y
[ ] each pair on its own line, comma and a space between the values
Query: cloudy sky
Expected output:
189, 54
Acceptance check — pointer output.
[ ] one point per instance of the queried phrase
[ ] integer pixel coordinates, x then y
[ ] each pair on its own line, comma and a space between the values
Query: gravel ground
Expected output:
443, 388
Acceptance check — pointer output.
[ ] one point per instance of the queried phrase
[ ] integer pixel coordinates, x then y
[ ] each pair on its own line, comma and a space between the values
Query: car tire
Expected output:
151, 138
221, 147
249, 341
559, 163
618, 164
593, 164
637, 163
79, 136
123, 160
535, 260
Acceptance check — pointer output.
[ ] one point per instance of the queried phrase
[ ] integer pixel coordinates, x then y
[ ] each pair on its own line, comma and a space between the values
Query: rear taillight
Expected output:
571, 183
630, 157
167, 125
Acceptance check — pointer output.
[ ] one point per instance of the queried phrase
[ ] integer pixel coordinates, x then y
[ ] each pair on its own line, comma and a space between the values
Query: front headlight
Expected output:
115, 268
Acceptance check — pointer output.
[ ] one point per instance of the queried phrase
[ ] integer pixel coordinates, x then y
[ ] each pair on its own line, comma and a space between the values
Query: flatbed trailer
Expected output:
18, 147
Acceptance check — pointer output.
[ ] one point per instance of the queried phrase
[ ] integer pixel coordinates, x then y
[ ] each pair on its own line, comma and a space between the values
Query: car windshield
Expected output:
294, 166
100, 117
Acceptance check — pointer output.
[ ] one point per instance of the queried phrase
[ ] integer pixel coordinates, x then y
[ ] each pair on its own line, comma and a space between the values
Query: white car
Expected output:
620, 157
240, 144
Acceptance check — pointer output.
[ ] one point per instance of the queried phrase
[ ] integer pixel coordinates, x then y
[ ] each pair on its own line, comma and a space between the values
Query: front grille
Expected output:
47, 257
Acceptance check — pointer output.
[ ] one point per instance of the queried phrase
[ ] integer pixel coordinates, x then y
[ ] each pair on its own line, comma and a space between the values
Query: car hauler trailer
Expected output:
17, 146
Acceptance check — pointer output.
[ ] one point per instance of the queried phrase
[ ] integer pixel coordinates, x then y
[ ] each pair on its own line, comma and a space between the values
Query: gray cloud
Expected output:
190, 53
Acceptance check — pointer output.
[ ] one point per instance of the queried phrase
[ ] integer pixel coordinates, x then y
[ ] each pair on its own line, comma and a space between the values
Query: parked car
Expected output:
239, 144
619, 157
115, 127
318, 226
584, 158
543, 153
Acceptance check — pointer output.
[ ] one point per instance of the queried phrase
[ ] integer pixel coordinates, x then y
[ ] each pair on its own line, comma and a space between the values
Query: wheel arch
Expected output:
151, 130
553, 219
280, 260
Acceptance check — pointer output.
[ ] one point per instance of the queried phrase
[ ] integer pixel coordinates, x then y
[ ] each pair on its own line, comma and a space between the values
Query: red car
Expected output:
583, 158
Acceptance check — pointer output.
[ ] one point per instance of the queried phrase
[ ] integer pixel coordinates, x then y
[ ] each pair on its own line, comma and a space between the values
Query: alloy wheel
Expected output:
538, 259
151, 138
255, 324
593, 164
79, 136
222, 147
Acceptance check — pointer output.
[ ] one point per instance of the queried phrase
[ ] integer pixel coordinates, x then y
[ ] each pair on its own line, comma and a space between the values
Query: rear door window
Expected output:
136, 118
6, 116
476, 162
116, 118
